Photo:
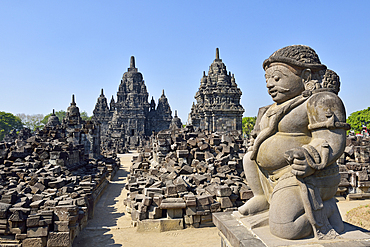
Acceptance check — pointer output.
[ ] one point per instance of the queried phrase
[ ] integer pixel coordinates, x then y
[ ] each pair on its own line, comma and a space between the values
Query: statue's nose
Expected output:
269, 85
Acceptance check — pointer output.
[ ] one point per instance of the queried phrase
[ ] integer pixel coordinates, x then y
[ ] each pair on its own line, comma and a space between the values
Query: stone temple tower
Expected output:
132, 113
217, 105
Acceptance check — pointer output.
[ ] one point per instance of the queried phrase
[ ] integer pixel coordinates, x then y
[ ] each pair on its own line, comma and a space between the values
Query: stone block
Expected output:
204, 200
61, 226
154, 212
59, 239
191, 210
222, 190
199, 156
182, 153
225, 202
186, 169
34, 242
4, 210
172, 203
245, 194
34, 232
173, 213
160, 225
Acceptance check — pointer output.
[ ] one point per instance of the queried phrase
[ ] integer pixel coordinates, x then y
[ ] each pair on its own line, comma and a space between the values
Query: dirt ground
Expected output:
111, 225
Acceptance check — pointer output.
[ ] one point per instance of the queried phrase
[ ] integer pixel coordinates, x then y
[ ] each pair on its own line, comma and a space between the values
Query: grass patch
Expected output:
359, 216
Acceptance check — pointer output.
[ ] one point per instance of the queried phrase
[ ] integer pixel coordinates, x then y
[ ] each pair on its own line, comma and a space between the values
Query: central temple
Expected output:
131, 119
218, 105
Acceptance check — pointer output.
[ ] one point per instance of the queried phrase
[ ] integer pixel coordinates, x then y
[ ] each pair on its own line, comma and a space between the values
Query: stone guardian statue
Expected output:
291, 162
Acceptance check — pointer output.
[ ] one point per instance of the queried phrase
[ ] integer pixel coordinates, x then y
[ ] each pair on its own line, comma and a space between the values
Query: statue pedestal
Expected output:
236, 230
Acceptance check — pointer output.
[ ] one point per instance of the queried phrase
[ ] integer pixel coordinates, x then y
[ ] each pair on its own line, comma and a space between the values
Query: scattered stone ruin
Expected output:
354, 168
131, 119
218, 105
185, 177
49, 184
50, 181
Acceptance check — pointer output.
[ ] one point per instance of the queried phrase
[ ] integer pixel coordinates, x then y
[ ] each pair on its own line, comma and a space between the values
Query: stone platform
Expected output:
239, 231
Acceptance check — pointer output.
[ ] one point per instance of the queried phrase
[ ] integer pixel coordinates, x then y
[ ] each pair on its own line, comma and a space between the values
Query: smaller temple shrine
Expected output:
217, 105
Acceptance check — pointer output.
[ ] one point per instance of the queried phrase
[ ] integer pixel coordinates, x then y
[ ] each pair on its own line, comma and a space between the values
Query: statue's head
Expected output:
294, 69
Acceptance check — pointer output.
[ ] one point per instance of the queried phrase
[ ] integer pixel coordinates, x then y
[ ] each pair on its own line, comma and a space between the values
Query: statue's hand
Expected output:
298, 162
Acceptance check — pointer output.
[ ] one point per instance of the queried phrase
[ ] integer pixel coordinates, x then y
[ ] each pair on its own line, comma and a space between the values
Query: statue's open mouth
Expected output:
273, 92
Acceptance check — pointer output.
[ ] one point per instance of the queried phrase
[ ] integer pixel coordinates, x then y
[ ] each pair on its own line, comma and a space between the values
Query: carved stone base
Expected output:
237, 231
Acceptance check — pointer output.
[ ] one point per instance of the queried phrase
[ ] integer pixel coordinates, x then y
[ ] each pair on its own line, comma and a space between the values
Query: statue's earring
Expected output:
309, 84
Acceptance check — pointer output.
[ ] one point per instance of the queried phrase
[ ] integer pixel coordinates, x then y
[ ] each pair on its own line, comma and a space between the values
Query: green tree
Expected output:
84, 116
8, 122
359, 118
31, 121
248, 125
60, 114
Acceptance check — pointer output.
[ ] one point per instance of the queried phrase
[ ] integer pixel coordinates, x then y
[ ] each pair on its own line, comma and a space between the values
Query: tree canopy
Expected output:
31, 121
248, 125
8, 122
359, 118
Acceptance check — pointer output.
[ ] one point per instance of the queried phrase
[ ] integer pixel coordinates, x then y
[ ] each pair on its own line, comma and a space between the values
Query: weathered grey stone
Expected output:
306, 104
34, 232
218, 96
34, 242
59, 239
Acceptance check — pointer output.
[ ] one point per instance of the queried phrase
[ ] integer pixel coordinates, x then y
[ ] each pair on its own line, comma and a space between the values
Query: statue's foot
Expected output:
333, 215
254, 205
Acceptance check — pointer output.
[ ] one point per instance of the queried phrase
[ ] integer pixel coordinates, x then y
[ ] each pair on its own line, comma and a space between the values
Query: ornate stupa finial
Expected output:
175, 113
53, 112
163, 92
73, 100
132, 62
102, 92
217, 54
204, 73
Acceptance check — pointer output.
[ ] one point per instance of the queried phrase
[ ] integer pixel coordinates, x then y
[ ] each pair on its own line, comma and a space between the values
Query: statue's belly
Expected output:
271, 152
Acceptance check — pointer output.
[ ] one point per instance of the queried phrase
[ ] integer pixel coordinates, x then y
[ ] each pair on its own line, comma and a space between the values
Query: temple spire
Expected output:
132, 62
73, 100
217, 54
175, 113
102, 92
53, 112
163, 92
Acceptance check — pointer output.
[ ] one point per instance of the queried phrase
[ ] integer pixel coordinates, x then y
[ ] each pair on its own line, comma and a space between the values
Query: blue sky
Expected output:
50, 50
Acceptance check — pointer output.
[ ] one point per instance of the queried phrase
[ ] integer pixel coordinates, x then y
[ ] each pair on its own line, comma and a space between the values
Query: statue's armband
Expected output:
326, 110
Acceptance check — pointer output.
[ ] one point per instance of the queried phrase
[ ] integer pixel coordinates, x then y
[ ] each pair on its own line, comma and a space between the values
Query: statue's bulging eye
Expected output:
276, 78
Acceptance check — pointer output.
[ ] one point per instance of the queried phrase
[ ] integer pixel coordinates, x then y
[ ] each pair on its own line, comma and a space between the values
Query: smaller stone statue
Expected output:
290, 165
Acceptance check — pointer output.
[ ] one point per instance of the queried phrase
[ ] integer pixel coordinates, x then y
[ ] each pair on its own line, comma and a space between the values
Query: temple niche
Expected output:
130, 119
217, 105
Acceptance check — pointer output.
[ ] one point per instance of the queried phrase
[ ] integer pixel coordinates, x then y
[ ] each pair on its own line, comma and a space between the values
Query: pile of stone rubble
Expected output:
186, 176
354, 167
48, 187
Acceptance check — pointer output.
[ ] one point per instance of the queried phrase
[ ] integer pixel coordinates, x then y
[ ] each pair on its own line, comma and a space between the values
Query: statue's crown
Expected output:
298, 55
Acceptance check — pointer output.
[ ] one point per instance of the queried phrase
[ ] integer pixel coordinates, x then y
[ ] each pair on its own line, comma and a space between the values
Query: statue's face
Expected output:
282, 83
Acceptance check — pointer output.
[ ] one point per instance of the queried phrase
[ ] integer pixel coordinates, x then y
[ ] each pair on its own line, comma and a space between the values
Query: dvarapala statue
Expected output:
291, 162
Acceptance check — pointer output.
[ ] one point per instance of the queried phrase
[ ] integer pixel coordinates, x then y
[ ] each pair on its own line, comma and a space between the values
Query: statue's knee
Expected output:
292, 230
286, 205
